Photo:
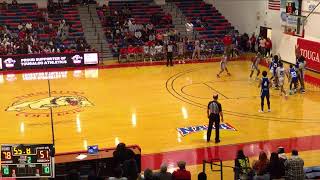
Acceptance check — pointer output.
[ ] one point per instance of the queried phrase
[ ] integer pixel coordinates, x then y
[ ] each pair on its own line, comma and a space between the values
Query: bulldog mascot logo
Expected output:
51, 102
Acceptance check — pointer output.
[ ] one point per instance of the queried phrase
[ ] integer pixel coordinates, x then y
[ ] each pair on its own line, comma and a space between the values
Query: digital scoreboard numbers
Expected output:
26, 160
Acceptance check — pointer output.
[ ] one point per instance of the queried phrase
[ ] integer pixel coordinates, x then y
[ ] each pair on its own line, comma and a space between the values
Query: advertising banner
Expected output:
51, 60
311, 51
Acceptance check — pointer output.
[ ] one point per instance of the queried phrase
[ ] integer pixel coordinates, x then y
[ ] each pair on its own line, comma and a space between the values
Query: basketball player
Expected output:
273, 69
223, 65
281, 73
255, 64
293, 78
300, 65
196, 50
265, 86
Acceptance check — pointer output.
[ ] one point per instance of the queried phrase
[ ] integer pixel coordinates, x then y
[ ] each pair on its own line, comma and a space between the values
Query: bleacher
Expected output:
12, 17
217, 25
140, 10
29, 12
71, 15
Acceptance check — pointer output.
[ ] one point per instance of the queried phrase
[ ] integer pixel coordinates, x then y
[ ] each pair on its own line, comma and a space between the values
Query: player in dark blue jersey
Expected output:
293, 77
265, 86
273, 69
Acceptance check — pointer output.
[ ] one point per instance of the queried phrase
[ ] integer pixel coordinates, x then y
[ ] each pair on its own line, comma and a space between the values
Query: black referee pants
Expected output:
169, 58
214, 118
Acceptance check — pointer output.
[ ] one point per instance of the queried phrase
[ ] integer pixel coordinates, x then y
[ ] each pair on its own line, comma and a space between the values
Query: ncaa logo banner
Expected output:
311, 51
192, 129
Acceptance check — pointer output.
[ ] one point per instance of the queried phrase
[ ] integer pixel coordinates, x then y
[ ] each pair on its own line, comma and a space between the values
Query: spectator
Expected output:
260, 166
148, 174
268, 47
294, 166
121, 154
282, 155
14, 4
202, 176
242, 166
4, 5
163, 174
253, 40
130, 167
181, 173
262, 44
276, 168
117, 174
189, 28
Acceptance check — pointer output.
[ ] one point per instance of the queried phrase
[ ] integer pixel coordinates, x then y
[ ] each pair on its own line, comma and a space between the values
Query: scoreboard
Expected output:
26, 160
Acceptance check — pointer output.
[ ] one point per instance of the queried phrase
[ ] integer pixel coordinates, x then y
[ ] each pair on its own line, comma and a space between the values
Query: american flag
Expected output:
274, 5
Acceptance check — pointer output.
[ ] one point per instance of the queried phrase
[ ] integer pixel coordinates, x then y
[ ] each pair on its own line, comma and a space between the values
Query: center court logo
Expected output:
192, 129
38, 104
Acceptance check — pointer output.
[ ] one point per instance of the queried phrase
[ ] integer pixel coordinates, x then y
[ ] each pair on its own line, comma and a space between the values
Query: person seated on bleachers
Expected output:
260, 166
282, 155
189, 28
242, 166
181, 173
159, 36
150, 28
14, 4
276, 168
117, 172
148, 175
130, 168
167, 18
294, 166
4, 5
163, 174
138, 34
152, 37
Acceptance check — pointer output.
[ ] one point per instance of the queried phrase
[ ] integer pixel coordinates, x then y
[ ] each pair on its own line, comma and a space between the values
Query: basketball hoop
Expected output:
294, 25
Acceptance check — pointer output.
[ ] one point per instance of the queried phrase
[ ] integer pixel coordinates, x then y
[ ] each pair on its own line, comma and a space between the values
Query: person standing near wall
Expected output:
268, 47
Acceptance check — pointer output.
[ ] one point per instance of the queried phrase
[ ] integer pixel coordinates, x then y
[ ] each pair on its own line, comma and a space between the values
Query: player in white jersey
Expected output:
223, 65
255, 65
281, 73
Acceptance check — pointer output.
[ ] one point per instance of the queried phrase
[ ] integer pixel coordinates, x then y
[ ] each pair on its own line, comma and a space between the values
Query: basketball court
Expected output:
161, 109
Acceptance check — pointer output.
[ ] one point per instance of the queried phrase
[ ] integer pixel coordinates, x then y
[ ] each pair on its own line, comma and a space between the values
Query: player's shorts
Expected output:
281, 81
228, 50
254, 67
223, 65
264, 94
294, 80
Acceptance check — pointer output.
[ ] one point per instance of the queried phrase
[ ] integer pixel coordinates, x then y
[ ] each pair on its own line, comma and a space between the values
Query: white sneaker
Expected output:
269, 110
260, 111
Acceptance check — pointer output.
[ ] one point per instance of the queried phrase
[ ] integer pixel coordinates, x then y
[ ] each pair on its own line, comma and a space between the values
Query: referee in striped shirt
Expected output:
214, 113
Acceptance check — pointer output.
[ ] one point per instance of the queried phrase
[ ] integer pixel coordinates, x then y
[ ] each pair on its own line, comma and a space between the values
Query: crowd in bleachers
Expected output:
278, 167
137, 30
25, 29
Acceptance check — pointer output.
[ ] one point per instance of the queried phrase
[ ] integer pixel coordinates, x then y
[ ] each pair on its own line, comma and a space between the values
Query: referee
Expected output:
214, 113
170, 53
